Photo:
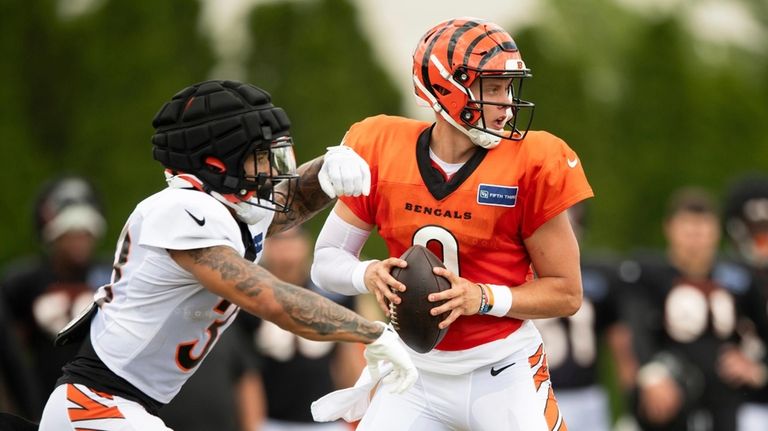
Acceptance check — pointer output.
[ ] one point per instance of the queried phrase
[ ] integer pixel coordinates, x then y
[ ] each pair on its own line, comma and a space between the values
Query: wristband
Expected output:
484, 304
501, 300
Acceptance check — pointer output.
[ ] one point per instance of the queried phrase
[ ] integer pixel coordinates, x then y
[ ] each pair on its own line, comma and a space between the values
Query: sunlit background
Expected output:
652, 94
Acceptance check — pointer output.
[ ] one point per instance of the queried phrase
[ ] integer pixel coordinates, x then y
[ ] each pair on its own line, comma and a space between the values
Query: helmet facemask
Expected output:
518, 113
268, 168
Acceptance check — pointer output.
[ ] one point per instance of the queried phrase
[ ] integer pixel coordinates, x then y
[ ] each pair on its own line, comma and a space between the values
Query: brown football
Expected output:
411, 318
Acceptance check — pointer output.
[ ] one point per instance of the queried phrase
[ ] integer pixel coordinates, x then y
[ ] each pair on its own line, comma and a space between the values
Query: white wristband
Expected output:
502, 300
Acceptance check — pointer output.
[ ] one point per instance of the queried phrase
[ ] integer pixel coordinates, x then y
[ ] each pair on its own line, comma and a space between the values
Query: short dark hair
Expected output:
691, 199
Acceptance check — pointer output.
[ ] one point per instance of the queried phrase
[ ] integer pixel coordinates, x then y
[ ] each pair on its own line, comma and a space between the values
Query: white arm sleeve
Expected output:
337, 267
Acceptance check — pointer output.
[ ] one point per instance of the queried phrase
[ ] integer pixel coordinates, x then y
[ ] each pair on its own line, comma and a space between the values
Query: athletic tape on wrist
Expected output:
502, 300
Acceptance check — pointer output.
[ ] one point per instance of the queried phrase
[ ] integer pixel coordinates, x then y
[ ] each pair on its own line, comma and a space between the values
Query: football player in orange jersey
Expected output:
488, 197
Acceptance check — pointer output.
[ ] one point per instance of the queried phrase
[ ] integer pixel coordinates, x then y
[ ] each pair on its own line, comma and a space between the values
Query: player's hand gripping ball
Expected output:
411, 317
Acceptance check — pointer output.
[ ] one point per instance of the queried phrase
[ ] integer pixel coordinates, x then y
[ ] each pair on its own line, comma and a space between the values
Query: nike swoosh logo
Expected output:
199, 221
495, 372
573, 163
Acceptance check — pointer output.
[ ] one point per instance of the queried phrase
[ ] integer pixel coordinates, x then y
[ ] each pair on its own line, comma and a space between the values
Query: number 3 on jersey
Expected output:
448, 243
185, 358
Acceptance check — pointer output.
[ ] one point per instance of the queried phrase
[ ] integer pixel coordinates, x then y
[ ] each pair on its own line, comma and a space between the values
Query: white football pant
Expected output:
76, 407
514, 394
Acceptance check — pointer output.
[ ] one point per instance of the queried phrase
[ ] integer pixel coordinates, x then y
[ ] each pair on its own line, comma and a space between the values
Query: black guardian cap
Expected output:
209, 129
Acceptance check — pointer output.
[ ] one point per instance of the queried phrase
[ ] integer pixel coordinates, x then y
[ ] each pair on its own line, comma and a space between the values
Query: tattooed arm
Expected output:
340, 172
308, 201
224, 272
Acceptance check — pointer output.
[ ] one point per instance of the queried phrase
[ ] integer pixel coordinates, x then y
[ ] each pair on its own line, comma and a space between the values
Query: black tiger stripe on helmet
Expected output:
453, 55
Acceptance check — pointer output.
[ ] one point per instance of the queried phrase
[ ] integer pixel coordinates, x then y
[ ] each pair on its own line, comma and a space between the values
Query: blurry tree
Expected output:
647, 105
315, 61
79, 95
644, 109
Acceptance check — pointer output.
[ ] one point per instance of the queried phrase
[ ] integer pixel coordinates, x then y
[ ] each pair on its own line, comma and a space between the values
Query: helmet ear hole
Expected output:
215, 165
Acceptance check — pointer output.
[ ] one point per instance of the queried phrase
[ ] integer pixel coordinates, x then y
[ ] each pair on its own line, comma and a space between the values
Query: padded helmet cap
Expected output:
210, 128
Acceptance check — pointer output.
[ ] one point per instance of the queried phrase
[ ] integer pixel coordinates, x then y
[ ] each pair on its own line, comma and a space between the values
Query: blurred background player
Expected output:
573, 343
18, 385
488, 196
295, 371
46, 292
746, 225
683, 308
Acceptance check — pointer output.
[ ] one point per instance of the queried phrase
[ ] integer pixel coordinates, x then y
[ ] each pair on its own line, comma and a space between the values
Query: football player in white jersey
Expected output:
185, 261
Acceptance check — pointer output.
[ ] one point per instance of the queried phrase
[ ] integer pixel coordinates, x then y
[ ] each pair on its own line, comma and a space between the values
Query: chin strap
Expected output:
482, 139
246, 212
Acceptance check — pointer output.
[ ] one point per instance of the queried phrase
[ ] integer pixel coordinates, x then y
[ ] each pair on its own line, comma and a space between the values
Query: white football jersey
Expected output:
160, 322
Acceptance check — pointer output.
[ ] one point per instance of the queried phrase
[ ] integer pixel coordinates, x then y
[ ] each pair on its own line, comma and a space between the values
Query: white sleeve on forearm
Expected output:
337, 267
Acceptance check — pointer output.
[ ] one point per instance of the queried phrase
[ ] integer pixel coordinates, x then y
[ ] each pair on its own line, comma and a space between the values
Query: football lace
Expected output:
393, 315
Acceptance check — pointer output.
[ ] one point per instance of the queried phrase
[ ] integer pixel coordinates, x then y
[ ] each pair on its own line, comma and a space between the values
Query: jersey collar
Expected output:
433, 179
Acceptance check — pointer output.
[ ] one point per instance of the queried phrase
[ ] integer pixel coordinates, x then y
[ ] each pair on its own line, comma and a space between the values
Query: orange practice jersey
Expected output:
475, 222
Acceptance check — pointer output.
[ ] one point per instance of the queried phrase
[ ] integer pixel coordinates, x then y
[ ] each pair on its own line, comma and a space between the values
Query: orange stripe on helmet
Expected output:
461, 43
482, 42
457, 35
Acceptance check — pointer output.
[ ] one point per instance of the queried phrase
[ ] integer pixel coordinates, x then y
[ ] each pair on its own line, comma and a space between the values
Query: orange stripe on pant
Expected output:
542, 373
536, 357
89, 408
552, 413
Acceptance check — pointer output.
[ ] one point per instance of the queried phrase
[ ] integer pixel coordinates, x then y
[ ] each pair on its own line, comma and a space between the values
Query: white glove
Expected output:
388, 347
344, 173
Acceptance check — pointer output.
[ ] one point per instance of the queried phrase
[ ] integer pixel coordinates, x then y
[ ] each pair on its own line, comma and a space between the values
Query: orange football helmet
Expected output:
456, 53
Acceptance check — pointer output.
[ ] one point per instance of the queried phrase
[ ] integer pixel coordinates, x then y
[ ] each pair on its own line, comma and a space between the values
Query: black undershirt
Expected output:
87, 369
